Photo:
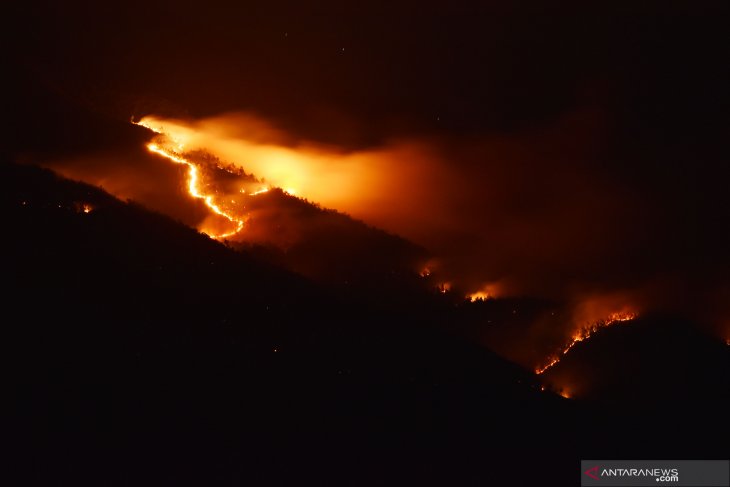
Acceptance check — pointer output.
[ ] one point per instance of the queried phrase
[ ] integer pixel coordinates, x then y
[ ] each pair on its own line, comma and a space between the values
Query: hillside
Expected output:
136, 337
678, 362
141, 351
330, 247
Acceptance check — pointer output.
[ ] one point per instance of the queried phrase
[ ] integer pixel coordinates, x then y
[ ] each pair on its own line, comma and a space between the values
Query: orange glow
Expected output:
554, 360
307, 169
82, 207
585, 333
384, 186
194, 188
430, 269
479, 296
489, 291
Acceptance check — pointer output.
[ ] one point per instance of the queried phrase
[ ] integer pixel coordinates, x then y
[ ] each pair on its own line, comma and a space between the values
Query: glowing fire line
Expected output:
195, 192
192, 179
585, 334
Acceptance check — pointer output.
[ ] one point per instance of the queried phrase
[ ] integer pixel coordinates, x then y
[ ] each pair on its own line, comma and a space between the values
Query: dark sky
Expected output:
389, 67
634, 94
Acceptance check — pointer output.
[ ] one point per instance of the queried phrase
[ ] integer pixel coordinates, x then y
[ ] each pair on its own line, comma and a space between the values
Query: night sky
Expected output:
568, 159
356, 75
596, 130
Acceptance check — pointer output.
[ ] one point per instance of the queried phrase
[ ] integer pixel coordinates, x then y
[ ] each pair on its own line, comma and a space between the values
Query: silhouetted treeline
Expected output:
139, 351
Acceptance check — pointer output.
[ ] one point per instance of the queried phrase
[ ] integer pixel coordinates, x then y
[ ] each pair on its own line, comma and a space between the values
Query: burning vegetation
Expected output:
585, 333
173, 149
247, 184
226, 190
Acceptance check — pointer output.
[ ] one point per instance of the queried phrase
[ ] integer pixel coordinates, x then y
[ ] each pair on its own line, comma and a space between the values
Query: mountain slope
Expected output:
650, 360
139, 351
136, 342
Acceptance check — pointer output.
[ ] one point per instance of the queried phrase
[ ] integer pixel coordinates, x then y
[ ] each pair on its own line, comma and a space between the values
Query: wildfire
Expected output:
85, 208
194, 190
585, 333
428, 269
194, 187
487, 291
554, 360
479, 296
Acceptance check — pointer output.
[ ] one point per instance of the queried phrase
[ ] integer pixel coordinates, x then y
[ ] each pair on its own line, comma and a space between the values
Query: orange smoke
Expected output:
477, 214
477, 203
381, 185
587, 321
524, 213
488, 291
195, 191
584, 334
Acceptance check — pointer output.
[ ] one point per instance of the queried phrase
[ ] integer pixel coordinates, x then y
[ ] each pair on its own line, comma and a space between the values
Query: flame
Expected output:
479, 296
585, 333
384, 185
489, 291
554, 360
193, 186
85, 208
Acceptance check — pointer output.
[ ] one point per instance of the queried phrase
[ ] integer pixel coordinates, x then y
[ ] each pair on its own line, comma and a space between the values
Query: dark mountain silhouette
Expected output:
331, 247
651, 359
136, 340
141, 352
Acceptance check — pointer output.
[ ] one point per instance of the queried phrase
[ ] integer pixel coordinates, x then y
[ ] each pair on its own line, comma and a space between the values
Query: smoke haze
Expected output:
539, 212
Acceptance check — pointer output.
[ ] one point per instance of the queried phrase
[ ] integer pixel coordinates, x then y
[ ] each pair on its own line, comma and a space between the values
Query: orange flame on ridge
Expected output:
488, 291
193, 178
196, 192
585, 333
